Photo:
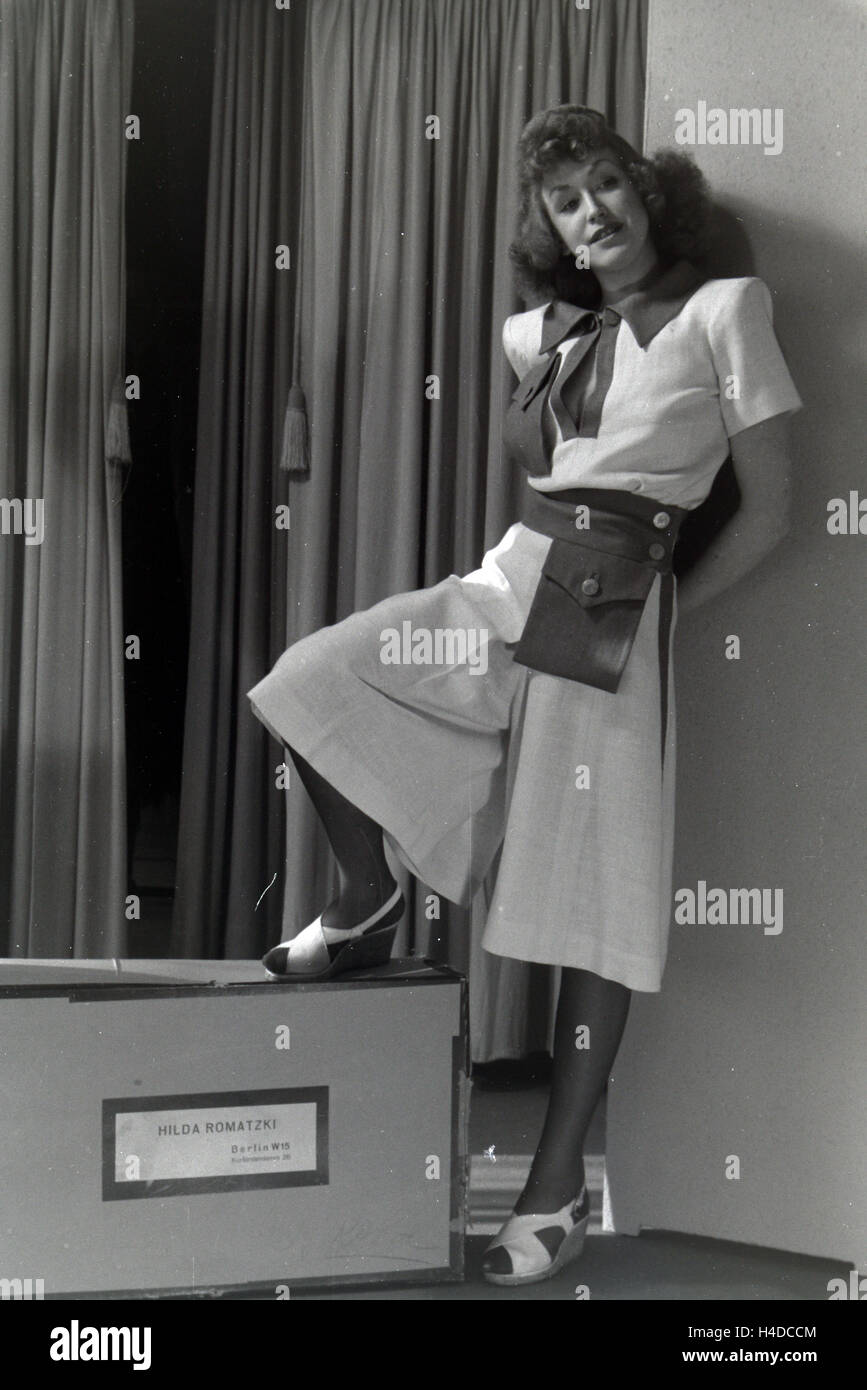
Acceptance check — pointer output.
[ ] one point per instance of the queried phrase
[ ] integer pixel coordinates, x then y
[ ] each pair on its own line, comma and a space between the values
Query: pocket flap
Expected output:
609, 578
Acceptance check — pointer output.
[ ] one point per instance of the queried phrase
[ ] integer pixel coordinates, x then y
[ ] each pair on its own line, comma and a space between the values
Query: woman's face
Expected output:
593, 204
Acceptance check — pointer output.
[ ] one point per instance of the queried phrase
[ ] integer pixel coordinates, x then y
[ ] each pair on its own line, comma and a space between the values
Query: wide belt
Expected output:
607, 548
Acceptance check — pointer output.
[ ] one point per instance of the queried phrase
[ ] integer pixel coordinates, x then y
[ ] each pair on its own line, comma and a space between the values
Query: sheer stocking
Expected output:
366, 881
579, 1075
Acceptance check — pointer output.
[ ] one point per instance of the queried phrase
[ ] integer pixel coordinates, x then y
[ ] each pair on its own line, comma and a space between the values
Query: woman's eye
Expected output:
572, 203
610, 182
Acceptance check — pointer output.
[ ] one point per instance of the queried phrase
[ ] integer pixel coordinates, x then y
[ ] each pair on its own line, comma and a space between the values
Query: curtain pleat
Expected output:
65, 78
232, 820
403, 274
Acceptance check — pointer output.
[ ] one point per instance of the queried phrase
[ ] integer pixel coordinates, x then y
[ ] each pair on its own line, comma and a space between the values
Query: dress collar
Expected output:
646, 309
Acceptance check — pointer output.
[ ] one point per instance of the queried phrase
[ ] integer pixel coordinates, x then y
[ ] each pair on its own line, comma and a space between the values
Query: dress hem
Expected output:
643, 975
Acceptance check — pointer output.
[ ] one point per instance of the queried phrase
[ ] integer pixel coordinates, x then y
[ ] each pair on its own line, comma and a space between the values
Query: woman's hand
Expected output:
762, 466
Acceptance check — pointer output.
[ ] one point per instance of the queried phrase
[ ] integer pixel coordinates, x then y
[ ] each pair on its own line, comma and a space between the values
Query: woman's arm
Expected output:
762, 466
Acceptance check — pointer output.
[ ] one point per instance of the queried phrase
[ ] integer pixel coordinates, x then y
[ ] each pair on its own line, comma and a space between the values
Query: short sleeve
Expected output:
754, 381
510, 347
522, 336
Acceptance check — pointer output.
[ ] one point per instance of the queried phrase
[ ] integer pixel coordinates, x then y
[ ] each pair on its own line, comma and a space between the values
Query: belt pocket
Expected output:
585, 614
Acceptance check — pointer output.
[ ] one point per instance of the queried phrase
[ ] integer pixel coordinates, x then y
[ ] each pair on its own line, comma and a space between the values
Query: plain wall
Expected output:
756, 1046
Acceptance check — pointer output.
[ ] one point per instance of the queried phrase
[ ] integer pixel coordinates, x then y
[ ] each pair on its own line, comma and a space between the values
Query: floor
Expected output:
654, 1266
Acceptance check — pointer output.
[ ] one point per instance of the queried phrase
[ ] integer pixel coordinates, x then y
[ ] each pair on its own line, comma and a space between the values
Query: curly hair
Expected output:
671, 186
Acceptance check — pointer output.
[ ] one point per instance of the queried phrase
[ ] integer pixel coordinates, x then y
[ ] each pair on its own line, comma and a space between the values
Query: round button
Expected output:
656, 551
661, 520
590, 587
634, 484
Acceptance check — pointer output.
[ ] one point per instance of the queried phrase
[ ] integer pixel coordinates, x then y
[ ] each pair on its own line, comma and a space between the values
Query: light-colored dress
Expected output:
478, 767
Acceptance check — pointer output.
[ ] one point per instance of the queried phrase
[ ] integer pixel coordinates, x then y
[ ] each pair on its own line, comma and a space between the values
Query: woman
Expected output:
555, 748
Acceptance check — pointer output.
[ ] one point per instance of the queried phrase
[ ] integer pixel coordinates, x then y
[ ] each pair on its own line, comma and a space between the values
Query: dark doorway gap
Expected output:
166, 191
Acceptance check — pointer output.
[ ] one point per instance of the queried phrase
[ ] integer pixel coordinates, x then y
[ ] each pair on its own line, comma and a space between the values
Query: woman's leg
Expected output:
598, 1007
366, 881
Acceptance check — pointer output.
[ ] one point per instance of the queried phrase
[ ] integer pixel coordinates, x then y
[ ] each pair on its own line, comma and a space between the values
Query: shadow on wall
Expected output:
729, 254
729, 250
816, 320
818, 317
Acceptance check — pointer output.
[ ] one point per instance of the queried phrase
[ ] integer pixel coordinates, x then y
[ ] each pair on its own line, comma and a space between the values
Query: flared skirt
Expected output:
416, 710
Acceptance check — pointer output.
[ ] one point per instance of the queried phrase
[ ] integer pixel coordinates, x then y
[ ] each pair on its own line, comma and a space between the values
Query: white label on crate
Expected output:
212, 1143
168, 1144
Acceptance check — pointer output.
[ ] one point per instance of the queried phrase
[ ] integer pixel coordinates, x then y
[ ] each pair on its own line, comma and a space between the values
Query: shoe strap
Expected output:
323, 937
563, 1215
380, 912
334, 936
530, 1222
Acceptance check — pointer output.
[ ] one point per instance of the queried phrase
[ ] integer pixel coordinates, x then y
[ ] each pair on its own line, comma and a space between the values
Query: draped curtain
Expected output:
399, 272
65, 74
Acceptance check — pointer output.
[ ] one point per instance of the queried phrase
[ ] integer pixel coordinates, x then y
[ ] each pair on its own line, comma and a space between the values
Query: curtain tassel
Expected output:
295, 453
117, 446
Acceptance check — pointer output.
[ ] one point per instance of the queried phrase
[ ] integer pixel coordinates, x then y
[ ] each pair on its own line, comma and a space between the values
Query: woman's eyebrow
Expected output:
566, 187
